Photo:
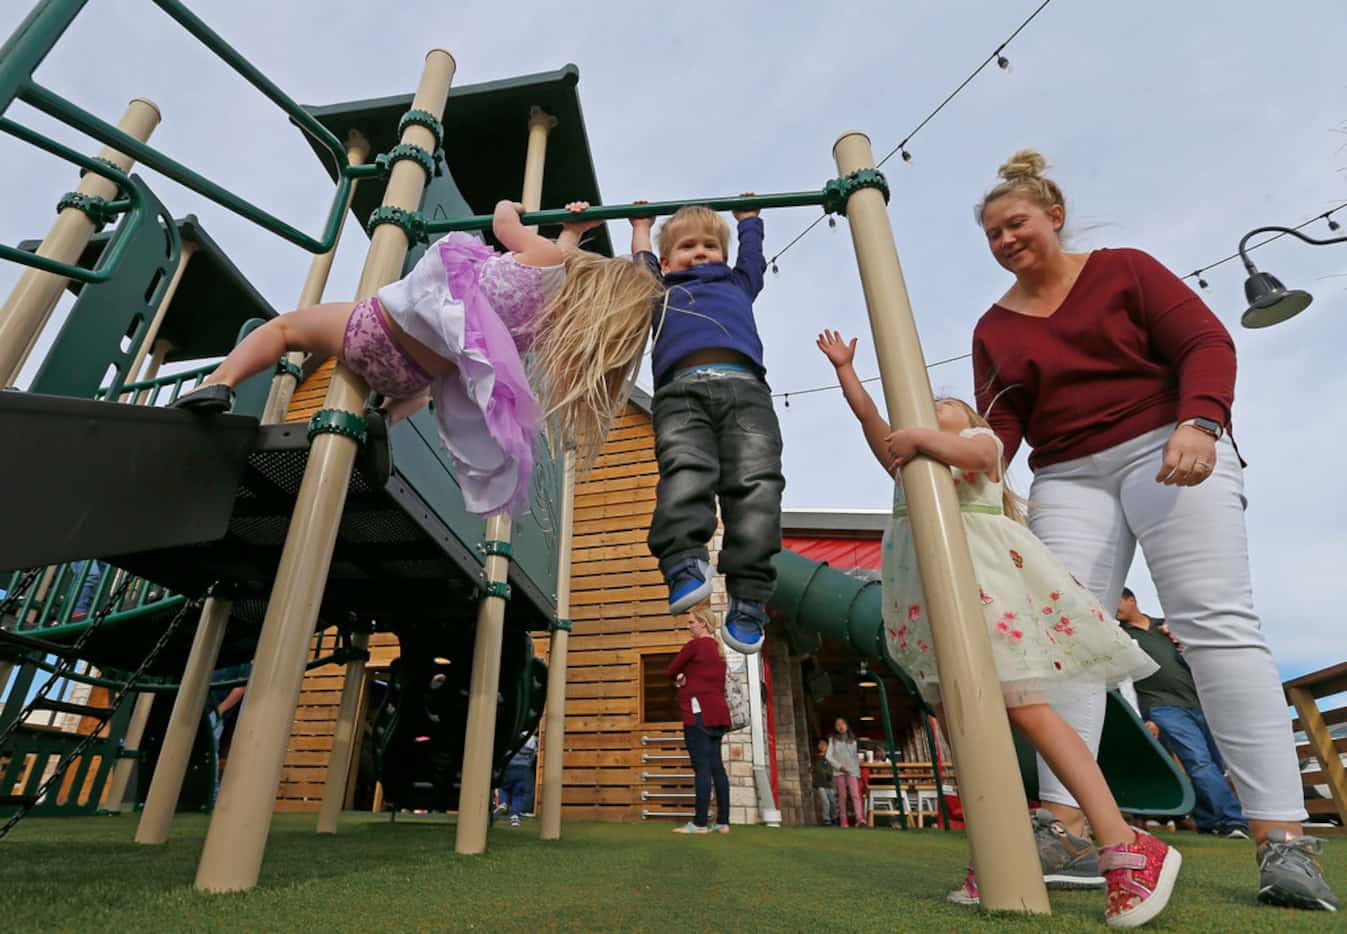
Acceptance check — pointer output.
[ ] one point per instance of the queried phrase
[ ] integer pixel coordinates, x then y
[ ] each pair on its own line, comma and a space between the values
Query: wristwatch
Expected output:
1207, 425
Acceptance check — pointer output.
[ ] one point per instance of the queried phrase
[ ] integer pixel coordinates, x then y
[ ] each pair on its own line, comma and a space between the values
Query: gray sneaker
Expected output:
1069, 862
1290, 876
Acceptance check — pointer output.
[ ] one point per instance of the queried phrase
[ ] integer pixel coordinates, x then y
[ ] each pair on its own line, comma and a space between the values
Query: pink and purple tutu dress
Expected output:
475, 308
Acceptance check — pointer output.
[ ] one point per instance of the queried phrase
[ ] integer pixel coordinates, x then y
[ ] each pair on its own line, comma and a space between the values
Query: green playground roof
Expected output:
486, 132
212, 302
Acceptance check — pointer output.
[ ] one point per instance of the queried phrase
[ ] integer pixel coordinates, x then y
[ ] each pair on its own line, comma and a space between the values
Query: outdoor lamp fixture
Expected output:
864, 679
1269, 301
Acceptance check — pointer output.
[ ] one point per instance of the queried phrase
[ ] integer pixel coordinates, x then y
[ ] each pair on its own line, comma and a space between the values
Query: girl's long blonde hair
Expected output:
587, 347
1012, 504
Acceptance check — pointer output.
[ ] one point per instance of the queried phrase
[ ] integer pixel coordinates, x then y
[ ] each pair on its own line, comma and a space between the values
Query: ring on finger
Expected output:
1202, 465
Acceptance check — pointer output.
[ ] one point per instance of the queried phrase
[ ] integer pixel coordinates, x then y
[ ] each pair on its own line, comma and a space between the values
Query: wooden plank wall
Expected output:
305, 771
619, 610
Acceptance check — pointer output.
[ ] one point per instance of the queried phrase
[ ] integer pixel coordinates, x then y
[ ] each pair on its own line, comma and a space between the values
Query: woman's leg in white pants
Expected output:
1076, 512
1196, 548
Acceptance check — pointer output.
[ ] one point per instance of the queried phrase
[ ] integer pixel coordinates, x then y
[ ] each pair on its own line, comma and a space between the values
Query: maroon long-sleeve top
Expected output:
699, 660
1129, 350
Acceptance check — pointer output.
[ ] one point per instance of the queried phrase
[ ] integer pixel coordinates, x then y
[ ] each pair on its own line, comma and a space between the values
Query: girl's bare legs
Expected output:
318, 329
1068, 756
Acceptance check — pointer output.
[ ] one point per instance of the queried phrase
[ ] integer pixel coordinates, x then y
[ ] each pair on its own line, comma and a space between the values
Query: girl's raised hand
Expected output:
579, 227
838, 351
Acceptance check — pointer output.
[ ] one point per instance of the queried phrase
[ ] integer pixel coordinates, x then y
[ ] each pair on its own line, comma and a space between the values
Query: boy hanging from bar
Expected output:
716, 433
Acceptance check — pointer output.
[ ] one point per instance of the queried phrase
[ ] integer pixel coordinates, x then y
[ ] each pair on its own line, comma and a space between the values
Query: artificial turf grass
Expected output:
86, 874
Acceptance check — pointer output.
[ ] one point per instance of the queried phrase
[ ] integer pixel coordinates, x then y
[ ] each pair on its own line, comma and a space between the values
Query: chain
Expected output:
66, 664
14, 596
103, 718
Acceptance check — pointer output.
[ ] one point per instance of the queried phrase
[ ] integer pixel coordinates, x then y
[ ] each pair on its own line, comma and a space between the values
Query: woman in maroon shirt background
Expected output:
698, 671
1122, 381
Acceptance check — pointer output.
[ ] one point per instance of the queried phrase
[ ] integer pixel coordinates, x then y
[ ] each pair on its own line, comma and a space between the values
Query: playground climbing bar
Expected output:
1007, 865
613, 212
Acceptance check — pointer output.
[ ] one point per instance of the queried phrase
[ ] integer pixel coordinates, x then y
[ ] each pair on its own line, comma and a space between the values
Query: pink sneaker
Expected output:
1140, 879
967, 892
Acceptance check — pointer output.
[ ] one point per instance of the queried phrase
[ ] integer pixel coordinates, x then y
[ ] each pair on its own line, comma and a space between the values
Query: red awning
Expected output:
841, 553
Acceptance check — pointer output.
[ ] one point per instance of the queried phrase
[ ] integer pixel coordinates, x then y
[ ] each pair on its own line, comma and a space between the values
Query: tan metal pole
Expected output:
157, 356
284, 384
474, 799
30, 304
237, 836
1008, 872
343, 738
554, 736
151, 338
162, 801
121, 773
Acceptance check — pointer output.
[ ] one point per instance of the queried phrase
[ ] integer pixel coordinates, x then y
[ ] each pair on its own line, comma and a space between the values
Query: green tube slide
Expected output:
813, 600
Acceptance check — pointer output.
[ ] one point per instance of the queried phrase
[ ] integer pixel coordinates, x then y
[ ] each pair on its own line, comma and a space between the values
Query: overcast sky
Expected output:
1173, 127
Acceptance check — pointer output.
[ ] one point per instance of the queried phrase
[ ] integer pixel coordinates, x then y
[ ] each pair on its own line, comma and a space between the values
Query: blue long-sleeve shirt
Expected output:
710, 306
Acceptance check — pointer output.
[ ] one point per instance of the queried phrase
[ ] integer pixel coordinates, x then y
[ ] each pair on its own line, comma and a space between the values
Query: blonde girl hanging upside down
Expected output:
454, 330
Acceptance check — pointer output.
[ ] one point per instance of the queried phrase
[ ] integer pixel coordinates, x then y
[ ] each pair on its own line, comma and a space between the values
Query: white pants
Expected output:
1092, 512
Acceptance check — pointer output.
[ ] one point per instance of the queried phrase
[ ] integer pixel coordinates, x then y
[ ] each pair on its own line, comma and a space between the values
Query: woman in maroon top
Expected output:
1122, 381
698, 671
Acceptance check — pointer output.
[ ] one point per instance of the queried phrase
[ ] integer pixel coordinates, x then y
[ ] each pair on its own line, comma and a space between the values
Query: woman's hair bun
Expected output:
1025, 164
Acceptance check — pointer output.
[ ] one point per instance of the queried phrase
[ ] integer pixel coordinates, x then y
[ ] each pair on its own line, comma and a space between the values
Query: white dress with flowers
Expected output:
1045, 628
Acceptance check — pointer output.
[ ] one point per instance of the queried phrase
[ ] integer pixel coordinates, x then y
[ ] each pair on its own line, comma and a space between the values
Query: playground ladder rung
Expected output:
648, 795
675, 776
84, 710
647, 757
647, 740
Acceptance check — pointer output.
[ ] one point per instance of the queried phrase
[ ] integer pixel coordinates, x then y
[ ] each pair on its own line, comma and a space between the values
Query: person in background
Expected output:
823, 785
1173, 712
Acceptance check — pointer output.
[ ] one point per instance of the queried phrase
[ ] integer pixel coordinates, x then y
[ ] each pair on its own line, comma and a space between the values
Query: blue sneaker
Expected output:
689, 584
745, 626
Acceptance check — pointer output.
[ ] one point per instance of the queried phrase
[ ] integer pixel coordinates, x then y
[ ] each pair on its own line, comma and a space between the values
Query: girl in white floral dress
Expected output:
1045, 628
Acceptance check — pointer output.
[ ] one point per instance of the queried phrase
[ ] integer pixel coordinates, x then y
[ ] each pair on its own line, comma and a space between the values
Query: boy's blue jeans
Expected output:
1184, 731
716, 434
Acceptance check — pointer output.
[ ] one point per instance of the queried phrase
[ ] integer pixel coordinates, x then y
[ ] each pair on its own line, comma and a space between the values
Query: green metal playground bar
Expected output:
25, 50
610, 212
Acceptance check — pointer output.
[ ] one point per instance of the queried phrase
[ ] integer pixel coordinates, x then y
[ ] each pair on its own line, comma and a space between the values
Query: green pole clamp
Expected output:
91, 206
426, 119
560, 625
286, 368
411, 222
437, 130
110, 164
504, 549
497, 589
838, 192
337, 422
424, 158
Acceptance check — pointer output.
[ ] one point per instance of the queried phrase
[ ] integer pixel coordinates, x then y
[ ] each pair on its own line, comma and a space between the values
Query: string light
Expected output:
785, 396
1200, 272
901, 150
